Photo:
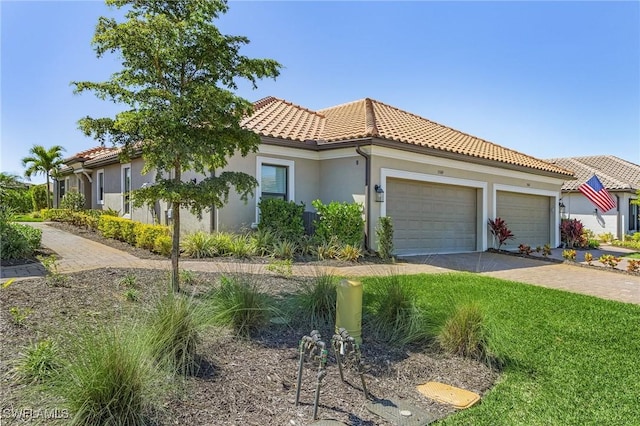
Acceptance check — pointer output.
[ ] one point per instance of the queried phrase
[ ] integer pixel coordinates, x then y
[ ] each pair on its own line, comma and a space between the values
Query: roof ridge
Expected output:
371, 126
261, 103
462, 133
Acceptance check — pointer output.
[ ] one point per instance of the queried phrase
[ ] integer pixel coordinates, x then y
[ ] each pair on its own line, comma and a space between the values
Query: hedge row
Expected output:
155, 238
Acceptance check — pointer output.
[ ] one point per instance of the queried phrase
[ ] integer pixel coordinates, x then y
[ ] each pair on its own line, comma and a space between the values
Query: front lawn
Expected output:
632, 255
570, 359
567, 359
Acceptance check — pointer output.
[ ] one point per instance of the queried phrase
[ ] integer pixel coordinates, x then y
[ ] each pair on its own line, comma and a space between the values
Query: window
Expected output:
100, 187
62, 187
634, 217
273, 182
126, 189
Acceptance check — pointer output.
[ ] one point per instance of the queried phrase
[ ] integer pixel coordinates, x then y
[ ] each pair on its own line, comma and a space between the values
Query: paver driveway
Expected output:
79, 253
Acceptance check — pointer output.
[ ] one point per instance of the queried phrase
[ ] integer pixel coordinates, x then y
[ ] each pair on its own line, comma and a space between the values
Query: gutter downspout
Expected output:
367, 180
619, 227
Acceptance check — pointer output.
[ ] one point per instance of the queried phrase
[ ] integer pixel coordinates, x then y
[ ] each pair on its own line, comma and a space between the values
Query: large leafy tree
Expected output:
43, 161
178, 78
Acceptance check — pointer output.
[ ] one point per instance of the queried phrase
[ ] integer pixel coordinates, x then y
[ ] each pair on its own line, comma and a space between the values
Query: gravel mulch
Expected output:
242, 381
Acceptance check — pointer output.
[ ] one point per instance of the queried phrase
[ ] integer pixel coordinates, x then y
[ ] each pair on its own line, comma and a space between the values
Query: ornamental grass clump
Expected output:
109, 378
464, 333
174, 333
393, 315
199, 245
316, 300
239, 304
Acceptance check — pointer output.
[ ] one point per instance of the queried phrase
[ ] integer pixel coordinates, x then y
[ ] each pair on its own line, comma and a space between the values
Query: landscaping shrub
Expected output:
609, 260
242, 247
349, 253
72, 200
283, 218
384, 232
263, 241
392, 313
110, 379
199, 245
17, 241
162, 245
342, 221
464, 333
115, 227
633, 265
39, 197
222, 241
569, 254
284, 249
16, 199
500, 231
39, 362
239, 304
174, 333
316, 300
146, 234
571, 232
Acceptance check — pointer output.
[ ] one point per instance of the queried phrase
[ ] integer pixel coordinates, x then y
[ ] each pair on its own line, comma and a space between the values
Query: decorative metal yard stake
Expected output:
315, 349
343, 346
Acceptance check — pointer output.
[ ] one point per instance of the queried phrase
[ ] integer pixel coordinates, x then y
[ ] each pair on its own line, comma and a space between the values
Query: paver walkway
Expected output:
79, 253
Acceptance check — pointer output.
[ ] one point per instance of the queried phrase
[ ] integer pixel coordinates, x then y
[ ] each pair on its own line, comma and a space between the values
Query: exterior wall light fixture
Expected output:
379, 194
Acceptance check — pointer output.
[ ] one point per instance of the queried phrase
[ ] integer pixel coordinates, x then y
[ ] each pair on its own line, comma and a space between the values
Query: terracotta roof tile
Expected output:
281, 119
370, 118
614, 173
89, 154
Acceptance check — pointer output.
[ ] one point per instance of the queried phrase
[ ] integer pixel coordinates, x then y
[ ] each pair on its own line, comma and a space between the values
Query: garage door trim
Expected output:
532, 191
403, 174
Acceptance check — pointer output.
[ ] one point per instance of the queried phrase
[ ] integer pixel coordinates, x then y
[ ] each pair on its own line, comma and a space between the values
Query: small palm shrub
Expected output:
39, 362
393, 315
263, 241
108, 378
242, 246
174, 333
464, 333
238, 303
349, 253
284, 249
199, 245
316, 300
222, 241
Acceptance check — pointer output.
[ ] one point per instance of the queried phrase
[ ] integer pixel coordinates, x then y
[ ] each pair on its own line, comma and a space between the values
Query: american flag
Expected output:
597, 194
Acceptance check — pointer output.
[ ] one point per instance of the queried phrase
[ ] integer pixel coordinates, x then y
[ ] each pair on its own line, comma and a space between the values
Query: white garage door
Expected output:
431, 218
528, 217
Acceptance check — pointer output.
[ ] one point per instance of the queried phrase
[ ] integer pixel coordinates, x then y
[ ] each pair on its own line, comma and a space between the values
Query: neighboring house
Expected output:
620, 178
439, 185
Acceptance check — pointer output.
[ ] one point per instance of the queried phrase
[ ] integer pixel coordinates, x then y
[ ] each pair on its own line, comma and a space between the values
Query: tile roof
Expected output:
368, 118
89, 154
614, 173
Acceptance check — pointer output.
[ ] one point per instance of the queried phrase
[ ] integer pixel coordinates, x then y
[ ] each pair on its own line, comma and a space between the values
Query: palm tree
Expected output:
43, 161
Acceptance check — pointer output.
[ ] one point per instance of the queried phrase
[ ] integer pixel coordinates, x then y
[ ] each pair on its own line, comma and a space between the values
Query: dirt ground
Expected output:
241, 381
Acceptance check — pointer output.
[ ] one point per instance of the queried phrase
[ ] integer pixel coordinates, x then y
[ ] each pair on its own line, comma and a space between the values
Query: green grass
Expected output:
569, 359
635, 255
25, 218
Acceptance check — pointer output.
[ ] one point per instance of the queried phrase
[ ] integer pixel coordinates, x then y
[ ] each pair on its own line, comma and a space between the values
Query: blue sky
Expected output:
550, 79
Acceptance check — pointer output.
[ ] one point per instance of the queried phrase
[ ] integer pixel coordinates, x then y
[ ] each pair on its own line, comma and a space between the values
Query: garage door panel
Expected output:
431, 218
528, 217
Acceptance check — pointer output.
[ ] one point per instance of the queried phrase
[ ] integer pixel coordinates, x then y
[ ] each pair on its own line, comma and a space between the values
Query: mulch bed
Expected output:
242, 381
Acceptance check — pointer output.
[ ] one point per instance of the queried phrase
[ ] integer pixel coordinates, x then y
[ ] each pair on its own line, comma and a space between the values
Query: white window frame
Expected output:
291, 173
122, 189
99, 199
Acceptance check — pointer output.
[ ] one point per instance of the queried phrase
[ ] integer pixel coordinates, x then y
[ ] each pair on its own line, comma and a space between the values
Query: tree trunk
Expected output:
48, 194
175, 247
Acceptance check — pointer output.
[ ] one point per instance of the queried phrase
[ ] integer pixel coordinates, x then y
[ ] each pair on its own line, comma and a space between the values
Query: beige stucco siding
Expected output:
487, 180
342, 179
618, 223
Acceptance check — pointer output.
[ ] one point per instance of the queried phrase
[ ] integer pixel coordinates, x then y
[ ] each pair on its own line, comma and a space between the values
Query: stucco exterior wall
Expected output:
487, 180
618, 223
